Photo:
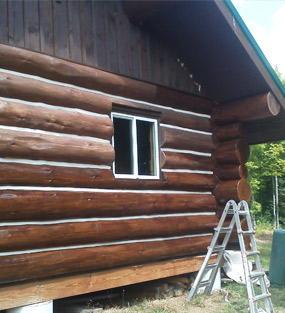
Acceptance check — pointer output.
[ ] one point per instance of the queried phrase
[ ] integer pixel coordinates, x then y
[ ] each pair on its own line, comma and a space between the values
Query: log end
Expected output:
273, 104
244, 191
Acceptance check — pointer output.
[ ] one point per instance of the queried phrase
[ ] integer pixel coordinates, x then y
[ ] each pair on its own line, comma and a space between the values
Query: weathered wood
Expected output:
56, 176
21, 294
231, 172
232, 190
230, 131
188, 161
63, 71
54, 120
20, 144
247, 109
26, 237
46, 264
180, 139
23, 88
232, 152
51, 205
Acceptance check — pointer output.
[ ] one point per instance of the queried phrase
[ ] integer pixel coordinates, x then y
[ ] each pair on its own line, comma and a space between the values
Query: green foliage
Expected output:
266, 161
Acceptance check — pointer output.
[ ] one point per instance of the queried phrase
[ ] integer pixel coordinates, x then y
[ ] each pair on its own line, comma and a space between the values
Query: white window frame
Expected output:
136, 175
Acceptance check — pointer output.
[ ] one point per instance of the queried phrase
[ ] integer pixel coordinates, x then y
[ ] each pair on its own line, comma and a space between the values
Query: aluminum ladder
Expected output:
236, 212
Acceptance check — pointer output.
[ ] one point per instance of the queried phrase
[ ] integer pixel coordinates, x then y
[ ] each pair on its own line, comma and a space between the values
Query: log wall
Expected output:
94, 33
60, 204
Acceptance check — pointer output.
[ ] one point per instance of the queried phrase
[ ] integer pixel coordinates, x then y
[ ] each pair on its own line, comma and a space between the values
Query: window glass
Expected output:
123, 145
145, 148
136, 146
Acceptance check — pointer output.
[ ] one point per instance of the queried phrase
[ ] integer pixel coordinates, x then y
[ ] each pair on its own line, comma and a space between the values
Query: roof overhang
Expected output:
211, 39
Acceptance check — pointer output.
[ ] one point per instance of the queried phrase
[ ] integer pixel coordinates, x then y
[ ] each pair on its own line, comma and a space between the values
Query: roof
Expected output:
211, 39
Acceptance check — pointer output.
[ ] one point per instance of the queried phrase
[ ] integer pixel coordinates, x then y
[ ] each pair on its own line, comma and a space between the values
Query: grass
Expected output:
230, 299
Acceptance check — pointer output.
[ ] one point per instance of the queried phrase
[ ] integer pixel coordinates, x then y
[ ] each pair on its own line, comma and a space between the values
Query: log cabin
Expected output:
124, 129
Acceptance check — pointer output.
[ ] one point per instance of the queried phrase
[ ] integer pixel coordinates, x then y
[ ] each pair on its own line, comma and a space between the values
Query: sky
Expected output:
266, 21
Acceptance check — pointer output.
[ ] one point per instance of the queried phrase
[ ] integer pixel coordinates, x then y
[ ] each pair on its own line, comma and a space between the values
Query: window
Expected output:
136, 146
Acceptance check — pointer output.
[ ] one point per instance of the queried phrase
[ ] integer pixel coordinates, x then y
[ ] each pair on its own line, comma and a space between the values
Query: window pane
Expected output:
123, 146
145, 148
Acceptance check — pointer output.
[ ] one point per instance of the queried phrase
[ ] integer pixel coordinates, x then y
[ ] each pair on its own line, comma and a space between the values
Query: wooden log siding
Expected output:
234, 151
186, 140
52, 263
232, 189
231, 172
62, 176
30, 205
14, 86
230, 131
55, 120
248, 109
188, 161
29, 145
26, 237
29, 62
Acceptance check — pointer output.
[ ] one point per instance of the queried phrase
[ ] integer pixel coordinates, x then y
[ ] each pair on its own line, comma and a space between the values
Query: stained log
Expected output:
26, 145
30, 205
230, 131
12, 86
47, 264
232, 190
34, 63
232, 152
57, 176
22, 237
204, 182
54, 120
188, 161
247, 109
231, 172
180, 139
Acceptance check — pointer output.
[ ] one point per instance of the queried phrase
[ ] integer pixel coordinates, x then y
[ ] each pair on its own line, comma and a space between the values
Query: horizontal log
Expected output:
232, 190
46, 264
180, 139
12, 86
54, 120
27, 145
30, 205
199, 182
26, 237
247, 109
230, 131
56, 176
231, 172
232, 152
38, 64
188, 161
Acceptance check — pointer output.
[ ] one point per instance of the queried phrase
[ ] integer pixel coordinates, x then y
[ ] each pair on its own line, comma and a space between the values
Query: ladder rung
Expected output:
248, 232
252, 253
211, 266
204, 283
218, 248
260, 297
223, 229
257, 274
231, 211
242, 213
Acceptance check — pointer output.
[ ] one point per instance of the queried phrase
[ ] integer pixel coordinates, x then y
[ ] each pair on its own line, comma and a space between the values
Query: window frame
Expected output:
133, 117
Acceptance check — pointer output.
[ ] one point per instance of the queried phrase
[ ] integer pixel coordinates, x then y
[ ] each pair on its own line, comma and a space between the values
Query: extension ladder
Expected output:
236, 212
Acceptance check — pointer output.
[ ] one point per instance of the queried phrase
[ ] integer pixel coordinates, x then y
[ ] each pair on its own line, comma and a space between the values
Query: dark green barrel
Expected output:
277, 260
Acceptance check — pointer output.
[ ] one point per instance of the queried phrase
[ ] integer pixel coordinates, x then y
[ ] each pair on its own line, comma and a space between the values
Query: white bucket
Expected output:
44, 307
